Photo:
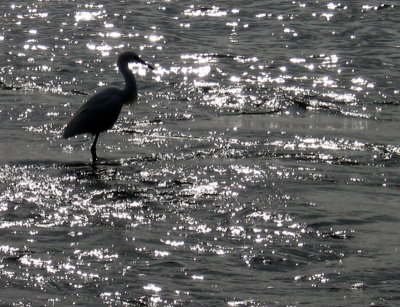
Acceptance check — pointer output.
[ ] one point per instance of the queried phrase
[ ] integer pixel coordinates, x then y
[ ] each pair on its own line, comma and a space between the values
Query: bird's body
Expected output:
98, 114
101, 111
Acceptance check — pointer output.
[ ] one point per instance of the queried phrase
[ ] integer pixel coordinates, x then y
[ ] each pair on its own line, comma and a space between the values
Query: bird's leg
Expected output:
93, 148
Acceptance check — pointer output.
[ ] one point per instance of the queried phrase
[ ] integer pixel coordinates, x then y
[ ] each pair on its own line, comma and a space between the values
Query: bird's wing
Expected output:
97, 114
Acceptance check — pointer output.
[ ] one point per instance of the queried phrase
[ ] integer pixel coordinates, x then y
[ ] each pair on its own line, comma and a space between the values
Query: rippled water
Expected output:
260, 166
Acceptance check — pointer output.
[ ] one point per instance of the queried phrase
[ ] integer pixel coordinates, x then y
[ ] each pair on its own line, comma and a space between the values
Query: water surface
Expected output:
259, 167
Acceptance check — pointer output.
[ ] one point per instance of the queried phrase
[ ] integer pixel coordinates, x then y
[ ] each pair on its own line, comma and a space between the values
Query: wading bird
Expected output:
101, 111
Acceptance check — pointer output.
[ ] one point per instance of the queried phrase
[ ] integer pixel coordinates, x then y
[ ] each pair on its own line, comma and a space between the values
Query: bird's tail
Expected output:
67, 133
80, 123
73, 128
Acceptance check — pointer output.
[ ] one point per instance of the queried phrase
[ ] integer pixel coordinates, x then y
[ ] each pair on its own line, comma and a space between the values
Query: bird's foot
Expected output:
99, 160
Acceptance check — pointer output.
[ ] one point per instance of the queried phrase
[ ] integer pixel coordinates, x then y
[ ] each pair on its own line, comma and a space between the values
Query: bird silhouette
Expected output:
101, 111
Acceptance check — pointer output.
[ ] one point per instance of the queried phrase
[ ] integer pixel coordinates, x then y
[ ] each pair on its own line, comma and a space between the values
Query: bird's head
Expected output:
129, 57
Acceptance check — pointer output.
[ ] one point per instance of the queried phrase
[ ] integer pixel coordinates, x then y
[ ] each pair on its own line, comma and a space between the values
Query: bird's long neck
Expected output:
130, 90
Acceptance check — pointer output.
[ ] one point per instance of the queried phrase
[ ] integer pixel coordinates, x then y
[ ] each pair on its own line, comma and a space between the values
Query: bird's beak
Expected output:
147, 64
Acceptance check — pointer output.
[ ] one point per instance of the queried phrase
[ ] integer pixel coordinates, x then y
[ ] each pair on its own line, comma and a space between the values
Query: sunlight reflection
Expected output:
214, 11
152, 287
154, 38
87, 15
251, 123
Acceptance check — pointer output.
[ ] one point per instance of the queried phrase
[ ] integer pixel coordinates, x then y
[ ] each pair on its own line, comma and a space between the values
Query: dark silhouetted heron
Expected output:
101, 111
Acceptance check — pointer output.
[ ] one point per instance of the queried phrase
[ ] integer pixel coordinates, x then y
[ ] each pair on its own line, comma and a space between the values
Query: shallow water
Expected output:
259, 167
